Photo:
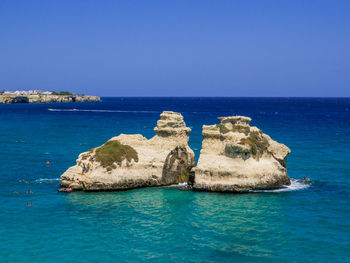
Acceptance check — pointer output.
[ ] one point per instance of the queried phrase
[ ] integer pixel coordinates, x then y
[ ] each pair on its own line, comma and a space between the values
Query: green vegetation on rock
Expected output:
114, 152
61, 93
85, 156
235, 128
257, 142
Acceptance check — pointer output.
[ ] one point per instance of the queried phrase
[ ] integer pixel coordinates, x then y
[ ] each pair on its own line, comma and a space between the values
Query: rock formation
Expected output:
10, 99
132, 161
236, 157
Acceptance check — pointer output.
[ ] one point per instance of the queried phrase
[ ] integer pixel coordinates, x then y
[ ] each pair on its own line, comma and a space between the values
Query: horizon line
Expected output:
248, 97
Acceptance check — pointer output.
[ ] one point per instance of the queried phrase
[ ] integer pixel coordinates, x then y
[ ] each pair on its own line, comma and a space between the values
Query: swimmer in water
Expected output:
29, 192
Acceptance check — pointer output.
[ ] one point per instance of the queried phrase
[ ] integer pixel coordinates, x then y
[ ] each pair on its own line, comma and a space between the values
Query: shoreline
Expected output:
13, 99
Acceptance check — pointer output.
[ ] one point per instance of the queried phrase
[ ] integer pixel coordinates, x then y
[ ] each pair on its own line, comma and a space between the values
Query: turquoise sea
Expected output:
302, 223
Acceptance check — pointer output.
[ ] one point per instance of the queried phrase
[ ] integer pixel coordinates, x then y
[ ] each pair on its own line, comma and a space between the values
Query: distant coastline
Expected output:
38, 96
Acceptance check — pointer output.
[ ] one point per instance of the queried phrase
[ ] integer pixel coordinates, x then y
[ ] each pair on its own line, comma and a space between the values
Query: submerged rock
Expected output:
236, 157
132, 161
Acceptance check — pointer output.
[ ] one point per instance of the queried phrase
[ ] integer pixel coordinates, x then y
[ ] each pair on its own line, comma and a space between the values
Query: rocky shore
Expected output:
235, 157
10, 99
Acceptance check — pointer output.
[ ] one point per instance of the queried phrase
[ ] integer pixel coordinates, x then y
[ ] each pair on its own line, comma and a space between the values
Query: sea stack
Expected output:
132, 161
236, 157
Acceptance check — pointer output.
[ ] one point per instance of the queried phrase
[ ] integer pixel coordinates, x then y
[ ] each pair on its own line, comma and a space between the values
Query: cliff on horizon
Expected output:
44, 98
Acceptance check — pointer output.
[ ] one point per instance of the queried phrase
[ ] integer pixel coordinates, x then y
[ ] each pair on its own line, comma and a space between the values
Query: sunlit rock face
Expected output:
236, 157
132, 161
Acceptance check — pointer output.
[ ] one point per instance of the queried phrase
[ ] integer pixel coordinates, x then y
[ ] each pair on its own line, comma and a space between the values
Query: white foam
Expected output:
140, 111
178, 185
294, 186
43, 180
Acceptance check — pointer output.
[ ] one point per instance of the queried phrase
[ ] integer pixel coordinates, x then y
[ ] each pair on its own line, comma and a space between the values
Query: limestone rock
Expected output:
162, 160
236, 157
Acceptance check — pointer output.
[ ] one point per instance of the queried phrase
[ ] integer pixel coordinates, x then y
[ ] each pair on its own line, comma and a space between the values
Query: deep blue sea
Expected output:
300, 224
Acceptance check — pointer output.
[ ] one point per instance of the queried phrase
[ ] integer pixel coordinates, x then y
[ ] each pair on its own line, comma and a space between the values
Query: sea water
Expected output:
299, 223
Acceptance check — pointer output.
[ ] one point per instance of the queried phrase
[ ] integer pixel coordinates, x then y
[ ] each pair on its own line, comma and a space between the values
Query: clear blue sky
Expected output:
177, 48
